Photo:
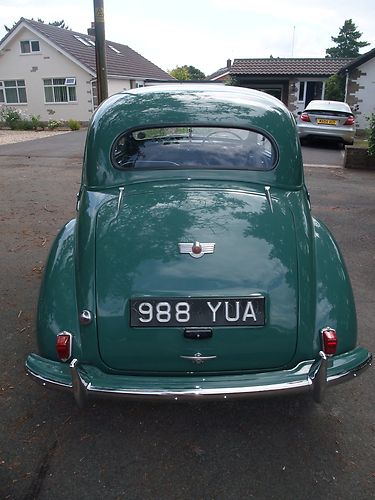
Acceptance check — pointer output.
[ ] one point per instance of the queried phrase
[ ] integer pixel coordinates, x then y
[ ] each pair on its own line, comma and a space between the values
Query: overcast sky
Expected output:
205, 33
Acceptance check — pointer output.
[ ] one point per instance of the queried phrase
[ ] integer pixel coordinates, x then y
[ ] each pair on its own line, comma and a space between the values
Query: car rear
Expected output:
327, 120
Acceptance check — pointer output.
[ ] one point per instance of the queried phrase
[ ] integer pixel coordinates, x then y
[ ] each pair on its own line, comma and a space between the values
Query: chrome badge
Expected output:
196, 249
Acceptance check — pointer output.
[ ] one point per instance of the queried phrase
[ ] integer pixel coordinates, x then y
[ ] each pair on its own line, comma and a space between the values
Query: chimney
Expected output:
229, 63
91, 31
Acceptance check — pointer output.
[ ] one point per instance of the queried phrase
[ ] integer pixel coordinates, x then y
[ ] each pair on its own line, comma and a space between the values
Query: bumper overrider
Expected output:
312, 376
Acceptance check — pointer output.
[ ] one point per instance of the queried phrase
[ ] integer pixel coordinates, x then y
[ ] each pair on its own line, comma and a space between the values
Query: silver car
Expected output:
327, 120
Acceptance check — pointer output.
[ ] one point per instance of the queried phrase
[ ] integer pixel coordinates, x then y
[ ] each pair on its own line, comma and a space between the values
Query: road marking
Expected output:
321, 165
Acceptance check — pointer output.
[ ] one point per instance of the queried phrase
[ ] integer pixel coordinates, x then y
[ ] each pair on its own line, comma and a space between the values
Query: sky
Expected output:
205, 33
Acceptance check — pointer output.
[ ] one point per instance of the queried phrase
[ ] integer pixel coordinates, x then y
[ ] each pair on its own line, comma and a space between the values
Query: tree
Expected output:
335, 88
59, 24
187, 73
347, 42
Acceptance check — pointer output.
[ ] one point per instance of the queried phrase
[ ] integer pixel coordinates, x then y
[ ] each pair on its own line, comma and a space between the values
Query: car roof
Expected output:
328, 105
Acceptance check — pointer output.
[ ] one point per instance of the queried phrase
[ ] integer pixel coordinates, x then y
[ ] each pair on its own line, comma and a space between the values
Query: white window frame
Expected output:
17, 87
114, 49
31, 51
69, 82
305, 81
84, 41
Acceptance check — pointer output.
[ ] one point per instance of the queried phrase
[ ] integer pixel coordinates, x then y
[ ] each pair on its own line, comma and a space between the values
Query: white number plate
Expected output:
238, 311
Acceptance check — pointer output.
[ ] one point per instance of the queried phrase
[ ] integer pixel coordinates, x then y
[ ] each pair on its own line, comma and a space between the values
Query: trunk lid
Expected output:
138, 257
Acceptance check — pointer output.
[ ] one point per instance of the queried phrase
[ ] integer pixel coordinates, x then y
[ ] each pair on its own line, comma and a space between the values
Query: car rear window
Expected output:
194, 147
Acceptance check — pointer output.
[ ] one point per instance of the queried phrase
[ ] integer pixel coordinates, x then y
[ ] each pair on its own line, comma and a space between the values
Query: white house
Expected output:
360, 86
51, 72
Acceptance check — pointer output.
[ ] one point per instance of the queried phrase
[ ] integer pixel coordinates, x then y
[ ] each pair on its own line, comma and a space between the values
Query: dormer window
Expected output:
29, 46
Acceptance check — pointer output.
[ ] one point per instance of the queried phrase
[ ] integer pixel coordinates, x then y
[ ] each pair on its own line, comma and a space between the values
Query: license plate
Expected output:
324, 121
165, 312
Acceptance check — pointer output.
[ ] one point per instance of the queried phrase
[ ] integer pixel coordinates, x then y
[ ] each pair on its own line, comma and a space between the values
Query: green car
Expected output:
194, 268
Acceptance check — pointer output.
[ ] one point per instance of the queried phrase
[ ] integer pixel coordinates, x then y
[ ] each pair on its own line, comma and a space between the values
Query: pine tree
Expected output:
347, 42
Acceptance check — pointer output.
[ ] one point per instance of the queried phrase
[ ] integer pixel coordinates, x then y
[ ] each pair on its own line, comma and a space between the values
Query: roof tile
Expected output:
126, 63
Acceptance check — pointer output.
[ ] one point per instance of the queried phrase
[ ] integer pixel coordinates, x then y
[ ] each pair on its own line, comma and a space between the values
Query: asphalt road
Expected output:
262, 449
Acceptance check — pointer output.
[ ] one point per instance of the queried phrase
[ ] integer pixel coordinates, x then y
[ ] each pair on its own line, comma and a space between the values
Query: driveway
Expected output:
261, 449
71, 145
323, 154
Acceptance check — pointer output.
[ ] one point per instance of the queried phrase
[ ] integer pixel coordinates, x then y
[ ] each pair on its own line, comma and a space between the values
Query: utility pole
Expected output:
101, 66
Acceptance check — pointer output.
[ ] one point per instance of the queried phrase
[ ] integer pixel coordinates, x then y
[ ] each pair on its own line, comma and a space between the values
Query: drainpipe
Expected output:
346, 84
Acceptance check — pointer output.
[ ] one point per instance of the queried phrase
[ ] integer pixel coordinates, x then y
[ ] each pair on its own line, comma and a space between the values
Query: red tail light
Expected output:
350, 120
64, 345
305, 117
329, 341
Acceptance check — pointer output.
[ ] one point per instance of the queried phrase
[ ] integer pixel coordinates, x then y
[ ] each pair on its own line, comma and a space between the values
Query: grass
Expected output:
361, 143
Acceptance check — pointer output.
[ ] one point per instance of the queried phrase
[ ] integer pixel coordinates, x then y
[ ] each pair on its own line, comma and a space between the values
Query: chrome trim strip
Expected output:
120, 195
267, 191
198, 358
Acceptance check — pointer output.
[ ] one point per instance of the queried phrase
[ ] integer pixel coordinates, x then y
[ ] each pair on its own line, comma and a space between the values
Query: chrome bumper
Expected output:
308, 377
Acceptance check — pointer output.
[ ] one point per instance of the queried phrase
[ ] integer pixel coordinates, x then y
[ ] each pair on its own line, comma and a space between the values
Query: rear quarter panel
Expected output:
334, 296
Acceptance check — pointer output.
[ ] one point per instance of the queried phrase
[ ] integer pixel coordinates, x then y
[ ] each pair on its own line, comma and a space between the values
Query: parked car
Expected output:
194, 268
327, 120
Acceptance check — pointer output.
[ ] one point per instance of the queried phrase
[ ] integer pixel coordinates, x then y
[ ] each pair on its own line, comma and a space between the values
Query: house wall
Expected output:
47, 63
117, 85
222, 79
361, 92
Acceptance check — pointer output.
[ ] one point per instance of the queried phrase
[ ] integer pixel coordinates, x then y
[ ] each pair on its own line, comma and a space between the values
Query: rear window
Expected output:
194, 147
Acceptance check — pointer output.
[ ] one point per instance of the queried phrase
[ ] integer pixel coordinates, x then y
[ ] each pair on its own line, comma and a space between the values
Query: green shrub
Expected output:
335, 88
371, 134
23, 125
36, 123
10, 116
74, 124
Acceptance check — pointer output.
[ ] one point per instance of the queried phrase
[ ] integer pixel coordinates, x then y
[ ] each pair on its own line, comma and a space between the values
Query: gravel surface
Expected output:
13, 136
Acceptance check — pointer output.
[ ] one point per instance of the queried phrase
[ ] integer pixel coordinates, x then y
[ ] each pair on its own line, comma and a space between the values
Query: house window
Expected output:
309, 90
13, 92
60, 89
28, 46
94, 88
